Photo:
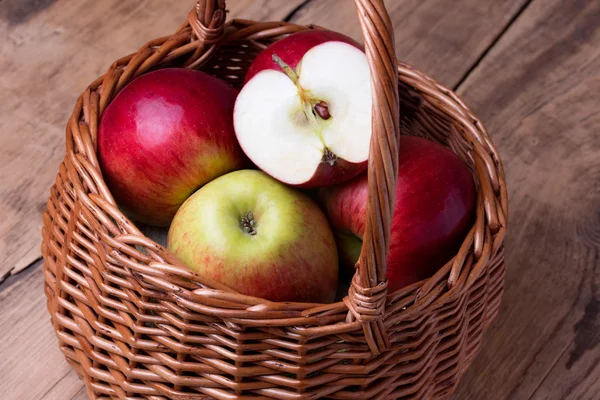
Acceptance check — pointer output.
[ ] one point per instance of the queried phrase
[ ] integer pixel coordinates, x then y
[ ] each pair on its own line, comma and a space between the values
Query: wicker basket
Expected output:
135, 323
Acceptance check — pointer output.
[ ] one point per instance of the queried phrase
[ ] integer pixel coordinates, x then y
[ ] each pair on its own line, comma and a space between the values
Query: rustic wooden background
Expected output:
530, 69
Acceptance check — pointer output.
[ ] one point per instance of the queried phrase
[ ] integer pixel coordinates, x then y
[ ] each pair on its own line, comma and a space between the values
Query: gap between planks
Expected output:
291, 15
7, 278
539, 385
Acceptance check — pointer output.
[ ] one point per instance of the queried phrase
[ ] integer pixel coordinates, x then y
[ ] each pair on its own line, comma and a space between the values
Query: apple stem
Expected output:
249, 224
287, 69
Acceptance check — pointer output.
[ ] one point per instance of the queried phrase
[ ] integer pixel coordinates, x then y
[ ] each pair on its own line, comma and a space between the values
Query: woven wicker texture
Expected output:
136, 323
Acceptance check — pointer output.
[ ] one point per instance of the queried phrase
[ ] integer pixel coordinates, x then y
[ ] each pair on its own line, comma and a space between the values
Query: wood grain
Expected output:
51, 51
440, 37
32, 366
537, 92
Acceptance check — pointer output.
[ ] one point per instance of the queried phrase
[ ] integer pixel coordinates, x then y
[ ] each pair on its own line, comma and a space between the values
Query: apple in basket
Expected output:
259, 237
304, 114
164, 135
435, 202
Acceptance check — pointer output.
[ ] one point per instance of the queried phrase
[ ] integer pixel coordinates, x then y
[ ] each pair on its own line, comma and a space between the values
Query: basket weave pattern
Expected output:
136, 323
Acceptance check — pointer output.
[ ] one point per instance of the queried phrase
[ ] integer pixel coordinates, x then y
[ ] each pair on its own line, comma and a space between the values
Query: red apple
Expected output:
304, 115
259, 237
164, 135
435, 201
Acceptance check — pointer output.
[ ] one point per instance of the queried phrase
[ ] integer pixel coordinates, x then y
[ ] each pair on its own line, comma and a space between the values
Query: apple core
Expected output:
314, 109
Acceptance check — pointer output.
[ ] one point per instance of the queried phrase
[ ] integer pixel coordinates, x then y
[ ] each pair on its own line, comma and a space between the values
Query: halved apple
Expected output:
309, 126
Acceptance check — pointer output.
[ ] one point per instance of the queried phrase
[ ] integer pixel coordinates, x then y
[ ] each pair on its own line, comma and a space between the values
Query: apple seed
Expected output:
322, 108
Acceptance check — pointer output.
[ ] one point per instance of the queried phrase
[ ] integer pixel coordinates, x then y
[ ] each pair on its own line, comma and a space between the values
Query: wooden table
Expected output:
530, 69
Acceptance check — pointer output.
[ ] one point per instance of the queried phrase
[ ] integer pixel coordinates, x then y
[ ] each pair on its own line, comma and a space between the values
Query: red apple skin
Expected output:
292, 48
435, 203
341, 171
164, 135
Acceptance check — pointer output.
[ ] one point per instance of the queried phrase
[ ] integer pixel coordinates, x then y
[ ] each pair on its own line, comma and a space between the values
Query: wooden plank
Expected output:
51, 51
81, 394
32, 367
440, 37
537, 92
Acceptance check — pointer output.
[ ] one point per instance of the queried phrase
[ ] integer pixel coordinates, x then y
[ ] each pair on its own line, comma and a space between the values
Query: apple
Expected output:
304, 114
164, 135
259, 237
434, 210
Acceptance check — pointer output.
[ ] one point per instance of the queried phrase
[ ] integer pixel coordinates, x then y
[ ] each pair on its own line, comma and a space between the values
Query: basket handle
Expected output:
366, 297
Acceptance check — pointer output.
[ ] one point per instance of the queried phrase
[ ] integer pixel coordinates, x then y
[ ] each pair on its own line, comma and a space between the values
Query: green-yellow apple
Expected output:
435, 202
164, 135
304, 114
254, 234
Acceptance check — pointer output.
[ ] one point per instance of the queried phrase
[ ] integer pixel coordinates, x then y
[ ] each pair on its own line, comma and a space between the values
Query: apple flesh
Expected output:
164, 135
259, 237
305, 117
434, 210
